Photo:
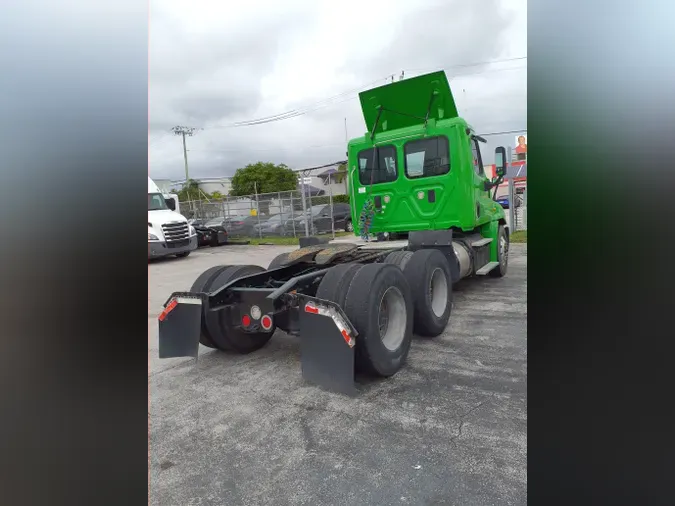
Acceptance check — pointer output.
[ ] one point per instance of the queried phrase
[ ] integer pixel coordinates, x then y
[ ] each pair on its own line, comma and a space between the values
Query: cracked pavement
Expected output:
449, 428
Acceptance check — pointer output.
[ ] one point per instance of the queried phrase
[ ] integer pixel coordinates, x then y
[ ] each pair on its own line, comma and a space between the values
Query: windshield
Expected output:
214, 222
156, 202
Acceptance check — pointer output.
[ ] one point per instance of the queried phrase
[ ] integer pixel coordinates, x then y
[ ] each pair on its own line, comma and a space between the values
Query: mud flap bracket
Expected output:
327, 340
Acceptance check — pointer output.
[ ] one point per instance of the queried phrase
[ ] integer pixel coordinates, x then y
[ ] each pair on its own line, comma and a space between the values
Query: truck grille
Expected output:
176, 231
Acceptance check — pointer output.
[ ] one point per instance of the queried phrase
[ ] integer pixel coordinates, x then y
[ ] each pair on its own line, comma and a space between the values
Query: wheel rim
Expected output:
350, 227
392, 318
438, 290
503, 250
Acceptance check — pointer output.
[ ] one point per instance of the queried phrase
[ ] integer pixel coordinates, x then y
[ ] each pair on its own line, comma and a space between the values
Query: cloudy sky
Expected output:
214, 63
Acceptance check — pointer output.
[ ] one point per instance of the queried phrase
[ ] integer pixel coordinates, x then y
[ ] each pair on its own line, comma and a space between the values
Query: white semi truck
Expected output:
168, 231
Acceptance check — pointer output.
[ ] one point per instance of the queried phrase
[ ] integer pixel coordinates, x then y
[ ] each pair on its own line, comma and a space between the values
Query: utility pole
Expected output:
257, 207
183, 131
304, 206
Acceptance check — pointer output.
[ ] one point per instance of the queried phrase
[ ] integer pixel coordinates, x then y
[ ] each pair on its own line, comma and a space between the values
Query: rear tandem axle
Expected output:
354, 308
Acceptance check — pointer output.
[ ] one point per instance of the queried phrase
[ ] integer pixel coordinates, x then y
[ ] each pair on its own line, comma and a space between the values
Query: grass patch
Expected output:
519, 236
282, 241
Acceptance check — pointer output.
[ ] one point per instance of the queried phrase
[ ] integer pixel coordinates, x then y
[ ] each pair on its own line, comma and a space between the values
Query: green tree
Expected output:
341, 173
267, 177
190, 191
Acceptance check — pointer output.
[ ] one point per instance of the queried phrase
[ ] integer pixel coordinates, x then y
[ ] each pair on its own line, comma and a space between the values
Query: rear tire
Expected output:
502, 253
336, 283
278, 261
379, 305
398, 258
219, 323
203, 284
349, 227
430, 279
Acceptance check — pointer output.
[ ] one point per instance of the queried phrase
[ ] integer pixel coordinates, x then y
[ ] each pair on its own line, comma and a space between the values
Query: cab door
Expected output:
429, 182
376, 173
483, 202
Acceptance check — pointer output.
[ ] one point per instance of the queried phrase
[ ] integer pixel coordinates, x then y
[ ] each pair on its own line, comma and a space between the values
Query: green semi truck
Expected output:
355, 306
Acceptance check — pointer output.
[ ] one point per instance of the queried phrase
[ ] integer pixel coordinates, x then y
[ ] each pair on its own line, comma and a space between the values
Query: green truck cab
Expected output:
419, 167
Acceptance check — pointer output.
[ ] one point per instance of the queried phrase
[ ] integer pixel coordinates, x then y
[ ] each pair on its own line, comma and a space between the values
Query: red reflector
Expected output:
266, 322
346, 337
311, 309
246, 320
170, 307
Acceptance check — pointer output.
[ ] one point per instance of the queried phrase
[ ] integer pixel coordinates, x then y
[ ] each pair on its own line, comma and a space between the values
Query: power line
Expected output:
487, 71
264, 150
344, 96
465, 65
301, 110
504, 132
320, 166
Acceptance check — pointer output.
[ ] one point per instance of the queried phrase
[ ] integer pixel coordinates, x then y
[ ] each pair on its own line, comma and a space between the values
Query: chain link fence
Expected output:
280, 214
288, 214
517, 212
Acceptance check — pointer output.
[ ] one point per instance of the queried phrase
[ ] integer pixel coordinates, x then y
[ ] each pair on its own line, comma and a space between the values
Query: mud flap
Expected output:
327, 341
180, 326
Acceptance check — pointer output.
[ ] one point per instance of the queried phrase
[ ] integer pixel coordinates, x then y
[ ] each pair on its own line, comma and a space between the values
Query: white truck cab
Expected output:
168, 231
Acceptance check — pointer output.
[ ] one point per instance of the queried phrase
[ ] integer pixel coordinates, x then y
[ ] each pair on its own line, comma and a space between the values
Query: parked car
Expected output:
274, 225
210, 233
216, 223
242, 225
197, 222
321, 219
504, 201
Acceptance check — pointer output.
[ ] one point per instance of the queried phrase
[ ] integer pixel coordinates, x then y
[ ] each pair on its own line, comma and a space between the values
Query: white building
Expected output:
165, 185
327, 180
209, 185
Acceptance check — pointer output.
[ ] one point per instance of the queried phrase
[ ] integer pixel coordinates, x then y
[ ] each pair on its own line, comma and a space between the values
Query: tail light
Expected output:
266, 322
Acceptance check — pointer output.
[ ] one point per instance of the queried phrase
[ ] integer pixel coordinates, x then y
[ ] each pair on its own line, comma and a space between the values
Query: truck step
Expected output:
481, 242
486, 268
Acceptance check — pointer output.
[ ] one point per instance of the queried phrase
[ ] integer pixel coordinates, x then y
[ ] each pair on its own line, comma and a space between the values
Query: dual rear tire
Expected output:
428, 274
218, 330
377, 300
386, 302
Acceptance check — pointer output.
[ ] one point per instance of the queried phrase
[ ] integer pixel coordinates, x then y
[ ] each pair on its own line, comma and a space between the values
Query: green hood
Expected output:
410, 100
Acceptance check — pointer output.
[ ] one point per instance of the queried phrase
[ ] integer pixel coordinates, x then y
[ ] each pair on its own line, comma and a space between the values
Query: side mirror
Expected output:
500, 161
171, 204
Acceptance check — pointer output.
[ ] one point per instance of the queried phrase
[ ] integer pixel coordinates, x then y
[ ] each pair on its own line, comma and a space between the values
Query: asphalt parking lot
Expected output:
449, 428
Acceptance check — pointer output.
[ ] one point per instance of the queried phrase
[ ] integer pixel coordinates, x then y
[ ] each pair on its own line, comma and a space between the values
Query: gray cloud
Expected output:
439, 34
262, 63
